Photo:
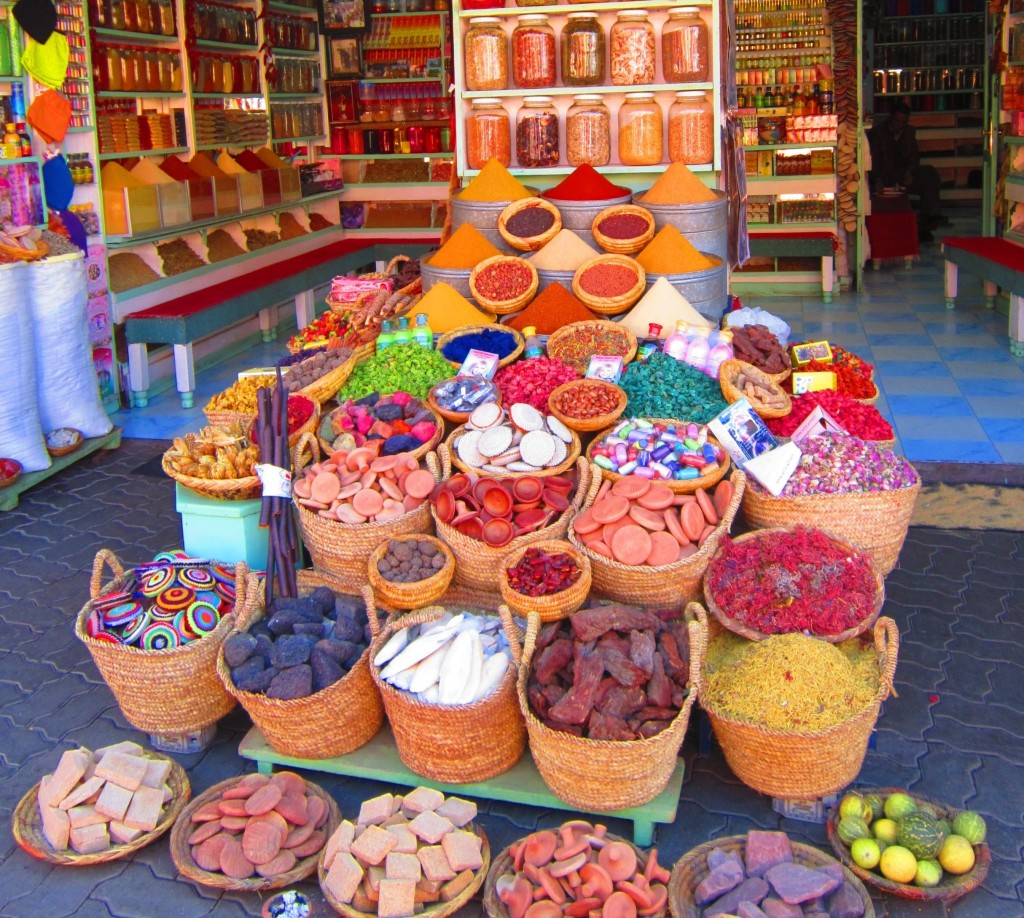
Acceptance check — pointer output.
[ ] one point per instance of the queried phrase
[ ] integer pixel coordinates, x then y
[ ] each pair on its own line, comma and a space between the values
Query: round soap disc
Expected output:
172, 556
484, 416
155, 580
494, 441
466, 447
202, 618
561, 451
526, 417
197, 578
538, 448
559, 429
109, 600
176, 598
223, 574
122, 614
225, 591
133, 631
159, 636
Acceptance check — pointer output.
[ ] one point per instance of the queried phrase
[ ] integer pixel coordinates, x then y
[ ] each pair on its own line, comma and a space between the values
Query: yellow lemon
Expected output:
956, 854
886, 830
898, 864
853, 805
865, 853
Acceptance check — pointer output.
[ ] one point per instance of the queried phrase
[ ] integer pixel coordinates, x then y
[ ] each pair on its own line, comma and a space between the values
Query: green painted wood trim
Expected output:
987, 269
782, 246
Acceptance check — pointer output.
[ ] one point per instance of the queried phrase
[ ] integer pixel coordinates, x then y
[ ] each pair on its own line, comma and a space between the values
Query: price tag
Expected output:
277, 482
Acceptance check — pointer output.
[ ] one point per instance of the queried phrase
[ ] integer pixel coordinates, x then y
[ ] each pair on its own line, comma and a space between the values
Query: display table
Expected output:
892, 229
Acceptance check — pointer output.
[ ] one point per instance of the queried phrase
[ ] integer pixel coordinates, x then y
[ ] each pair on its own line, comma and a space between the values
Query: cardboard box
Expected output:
812, 350
813, 382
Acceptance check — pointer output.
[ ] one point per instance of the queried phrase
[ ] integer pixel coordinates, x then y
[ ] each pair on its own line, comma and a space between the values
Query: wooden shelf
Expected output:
213, 45
139, 38
560, 9
518, 93
166, 151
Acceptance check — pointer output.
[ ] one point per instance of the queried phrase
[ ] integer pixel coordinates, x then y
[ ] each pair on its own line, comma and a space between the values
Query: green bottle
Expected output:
386, 337
5, 49
404, 333
421, 333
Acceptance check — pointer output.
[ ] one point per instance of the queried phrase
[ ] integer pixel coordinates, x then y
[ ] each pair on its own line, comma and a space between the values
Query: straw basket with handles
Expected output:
566, 332
449, 337
602, 775
587, 425
551, 606
610, 305
245, 488
326, 387
417, 594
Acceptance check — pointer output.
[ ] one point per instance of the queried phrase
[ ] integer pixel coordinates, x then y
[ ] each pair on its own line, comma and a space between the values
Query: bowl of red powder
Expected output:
609, 284
623, 229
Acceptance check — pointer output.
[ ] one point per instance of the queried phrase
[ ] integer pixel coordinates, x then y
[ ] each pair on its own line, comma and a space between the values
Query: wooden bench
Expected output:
185, 319
800, 244
1000, 264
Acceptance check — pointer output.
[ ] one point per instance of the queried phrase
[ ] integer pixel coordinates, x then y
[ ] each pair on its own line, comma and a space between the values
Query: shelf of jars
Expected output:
561, 8
139, 38
213, 45
129, 154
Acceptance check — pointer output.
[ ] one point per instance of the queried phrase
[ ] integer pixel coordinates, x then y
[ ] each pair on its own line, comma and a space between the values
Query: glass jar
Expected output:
685, 47
143, 17
533, 53
588, 132
488, 134
641, 133
166, 17
583, 50
691, 129
486, 54
537, 133
632, 59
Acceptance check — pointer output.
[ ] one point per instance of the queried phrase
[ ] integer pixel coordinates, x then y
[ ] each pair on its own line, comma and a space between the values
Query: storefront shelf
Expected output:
133, 94
296, 52
581, 8
595, 90
167, 151
291, 7
224, 45
387, 156
135, 37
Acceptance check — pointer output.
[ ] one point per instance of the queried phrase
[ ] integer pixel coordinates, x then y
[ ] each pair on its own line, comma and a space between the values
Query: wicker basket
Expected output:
794, 765
27, 825
456, 417
165, 691
181, 851
216, 488
692, 868
473, 329
326, 387
580, 364
950, 889
412, 595
553, 606
623, 246
455, 744
587, 425
570, 460
603, 775
610, 306
326, 448
334, 721
875, 523
529, 243
729, 371
670, 586
503, 307
742, 630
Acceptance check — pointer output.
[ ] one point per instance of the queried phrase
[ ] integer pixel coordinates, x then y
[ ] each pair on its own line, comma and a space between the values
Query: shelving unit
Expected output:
1009, 156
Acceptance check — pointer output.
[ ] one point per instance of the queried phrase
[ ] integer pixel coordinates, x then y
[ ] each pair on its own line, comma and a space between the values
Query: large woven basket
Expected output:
795, 765
572, 455
326, 387
727, 375
587, 425
552, 606
556, 339
326, 448
165, 691
216, 488
449, 337
602, 775
455, 744
411, 595
875, 523
670, 586
692, 868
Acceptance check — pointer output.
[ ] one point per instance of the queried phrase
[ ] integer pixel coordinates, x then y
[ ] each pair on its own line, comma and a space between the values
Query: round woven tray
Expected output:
692, 868
411, 595
326, 387
556, 340
216, 488
27, 824
587, 425
572, 455
456, 417
473, 329
729, 371
951, 888
623, 246
553, 606
736, 627
503, 307
181, 851
529, 243
610, 306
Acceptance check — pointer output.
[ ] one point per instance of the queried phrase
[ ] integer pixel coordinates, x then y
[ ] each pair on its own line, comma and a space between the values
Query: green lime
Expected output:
899, 805
929, 873
865, 853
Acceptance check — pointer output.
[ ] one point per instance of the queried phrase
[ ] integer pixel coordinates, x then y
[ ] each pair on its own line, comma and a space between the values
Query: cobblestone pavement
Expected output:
955, 733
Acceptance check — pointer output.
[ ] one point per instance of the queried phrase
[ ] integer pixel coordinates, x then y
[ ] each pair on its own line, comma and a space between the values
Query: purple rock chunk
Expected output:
323, 598
753, 890
291, 650
846, 902
795, 883
727, 875
749, 910
833, 870
311, 628
766, 849
258, 683
716, 857
250, 667
342, 652
326, 671
350, 621
294, 682
238, 648
264, 646
388, 412
776, 908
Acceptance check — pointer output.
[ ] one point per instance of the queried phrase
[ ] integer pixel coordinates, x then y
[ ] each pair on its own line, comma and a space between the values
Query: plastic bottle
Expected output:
404, 333
386, 337
421, 332
26, 141
649, 344
18, 101
12, 143
532, 348
676, 344
698, 349
721, 352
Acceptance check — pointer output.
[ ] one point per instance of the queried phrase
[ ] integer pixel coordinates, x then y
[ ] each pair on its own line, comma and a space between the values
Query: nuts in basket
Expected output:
215, 453
240, 396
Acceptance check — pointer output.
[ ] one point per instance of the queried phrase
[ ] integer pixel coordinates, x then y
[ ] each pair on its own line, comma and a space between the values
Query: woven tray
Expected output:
216, 488
623, 246
27, 825
411, 595
729, 371
326, 387
587, 425
447, 338
529, 243
580, 364
568, 463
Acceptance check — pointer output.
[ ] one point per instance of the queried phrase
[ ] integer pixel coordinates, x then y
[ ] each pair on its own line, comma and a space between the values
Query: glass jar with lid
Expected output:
641, 132
488, 134
685, 47
632, 58
486, 54
583, 50
588, 131
537, 133
691, 129
533, 53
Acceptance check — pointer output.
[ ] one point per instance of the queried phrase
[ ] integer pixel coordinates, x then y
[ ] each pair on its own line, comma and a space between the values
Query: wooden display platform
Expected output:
378, 761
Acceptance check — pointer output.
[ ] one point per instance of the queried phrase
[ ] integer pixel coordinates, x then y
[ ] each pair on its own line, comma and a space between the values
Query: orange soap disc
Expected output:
585, 523
649, 519
316, 809
671, 517
289, 782
264, 800
368, 503
234, 823
706, 507
303, 487
349, 478
311, 845
293, 808
383, 464
349, 490
608, 532
664, 550
261, 841
723, 496
410, 503
232, 808
657, 497
367, 479
610, 508
299, 834
687, 550
419, 484
591, 537
346, 513
390, 488
207, 853
631, 544
606, 486
207, 812
206, 830
325, 487
600, 548
284, 862
631, 486
704, 535
359, 459
692, 521
233, 862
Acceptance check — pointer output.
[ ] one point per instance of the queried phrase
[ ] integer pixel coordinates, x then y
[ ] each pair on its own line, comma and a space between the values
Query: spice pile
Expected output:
590, 399
300, 409
856, 418
127, 271
580, 342
519, 440
657, 450
670, 252
398, 368
678, 185
491, 340
290, 226
319, 222
410, 561
541, 573
662, 387
446, 310
494, 183
530, 221
566, 252
260, 239
662, 305
624, 226
177, 257
308, 371
220, 246
551, 309
756, 345
532, 381
853, 375
585, 183
464, 250
401, 421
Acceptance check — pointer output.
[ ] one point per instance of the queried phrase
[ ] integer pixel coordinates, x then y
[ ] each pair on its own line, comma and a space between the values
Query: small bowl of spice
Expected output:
529, 223
10, 472
577, 342
503, 283
63, 440
585, 405
411, 572
609, 284
506, 342
551, 578
623, 229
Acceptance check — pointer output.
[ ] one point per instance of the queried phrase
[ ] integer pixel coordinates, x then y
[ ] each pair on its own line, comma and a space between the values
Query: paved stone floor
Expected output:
955, 733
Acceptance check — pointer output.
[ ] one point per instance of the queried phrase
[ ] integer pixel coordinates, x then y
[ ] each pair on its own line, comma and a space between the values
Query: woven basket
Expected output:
610, 306
670, 586
729, 371
334, 721
580, 364
27, 824
587, 425
603, 775
529, 243
456, 417
181, 851
326, 387
736, 627
217, 488
692, 868
623, 246
950, 889
326, 448
455, 744
411, 595
504, 307
553, 606
341, 549
794, 765
310, 426
875, 523
572, 455
472, 330
164, 691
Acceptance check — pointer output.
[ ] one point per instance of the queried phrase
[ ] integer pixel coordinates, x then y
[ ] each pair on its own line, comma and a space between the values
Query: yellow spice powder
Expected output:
670, 252
678, 185
494, 183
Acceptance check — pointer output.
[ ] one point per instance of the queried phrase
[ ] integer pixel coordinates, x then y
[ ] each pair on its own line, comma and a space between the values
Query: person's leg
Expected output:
927, 186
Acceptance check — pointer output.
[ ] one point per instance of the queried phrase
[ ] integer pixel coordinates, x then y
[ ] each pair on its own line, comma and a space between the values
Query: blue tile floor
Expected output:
947, 381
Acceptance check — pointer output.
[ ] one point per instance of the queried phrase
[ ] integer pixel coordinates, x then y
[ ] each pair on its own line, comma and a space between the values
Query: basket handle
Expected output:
697, 628
247, 612
394, 261
515, 641
103, 557
445, 456
241, 584
593, 486
439, 463
307, 439
371, 611
887, 643
530, 644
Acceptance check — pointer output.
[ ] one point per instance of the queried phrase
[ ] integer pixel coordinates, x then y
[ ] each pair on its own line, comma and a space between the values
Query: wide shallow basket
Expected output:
181, 851
215, 488
411, 595
326, 387
610, 306
456, 417
27, 824
529, 243
572, 455
554, 606
587, 425
610, 774
692, 868
623, 246
557, 341
805, 765
326, 448
334, 721
669, 586
729, 372
503, 307
742, 630
455, 744
875, 523
165, 691
951, 888
474, 329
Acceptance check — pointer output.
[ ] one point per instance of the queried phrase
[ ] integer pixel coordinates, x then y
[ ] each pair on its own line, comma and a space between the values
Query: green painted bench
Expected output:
799, 244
